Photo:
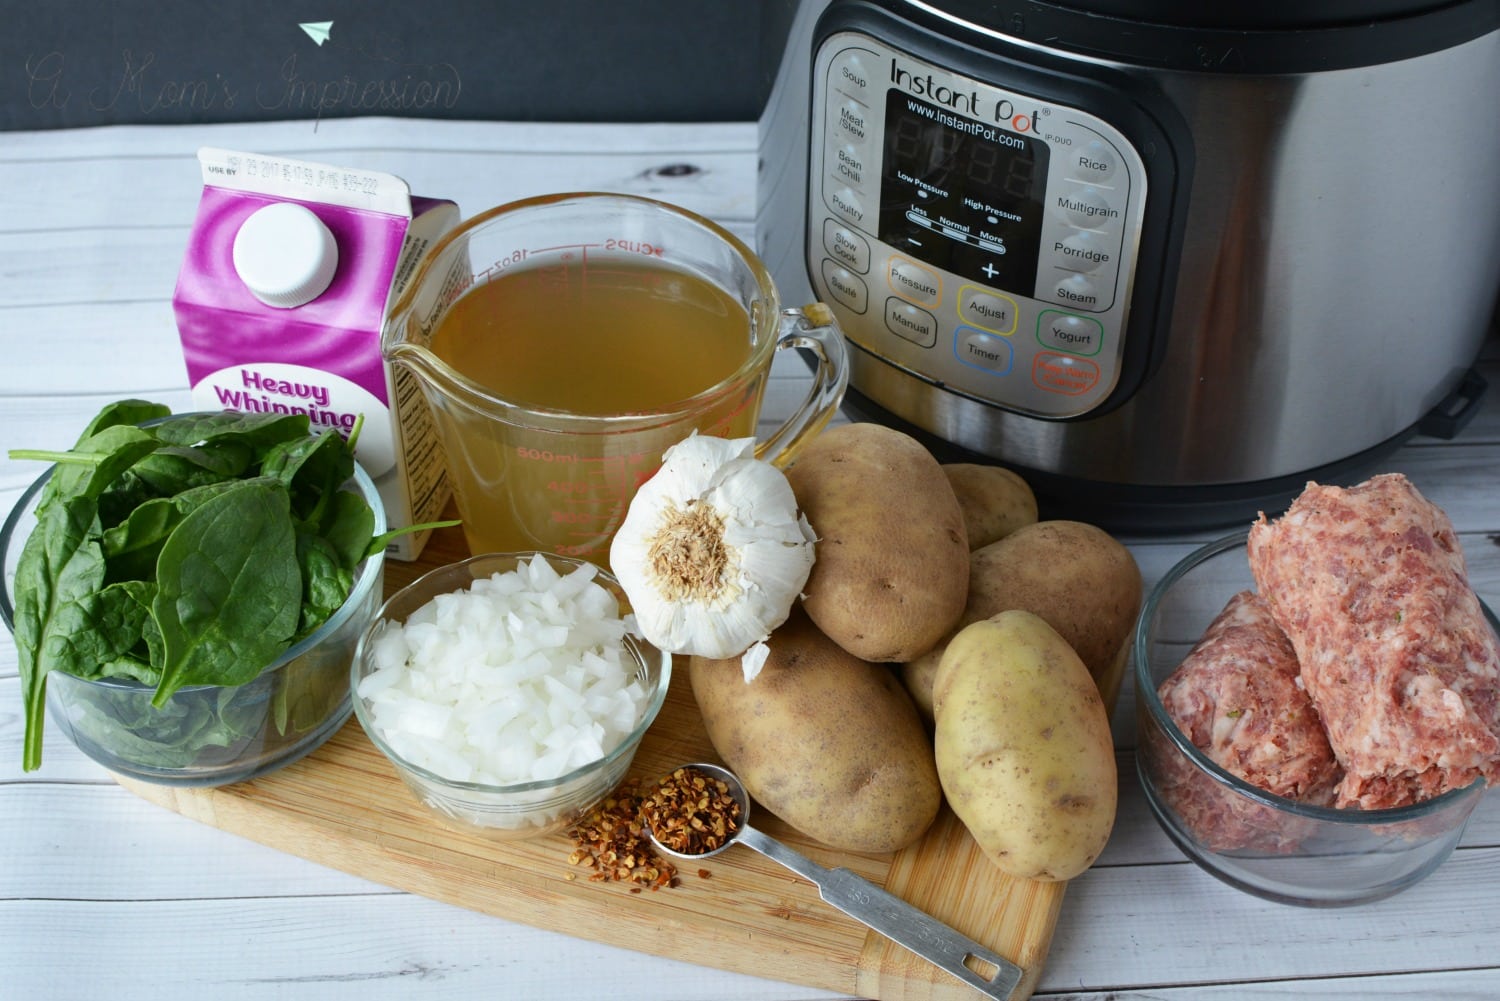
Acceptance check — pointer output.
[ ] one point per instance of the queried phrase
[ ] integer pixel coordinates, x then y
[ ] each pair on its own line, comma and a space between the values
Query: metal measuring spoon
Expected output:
863, 900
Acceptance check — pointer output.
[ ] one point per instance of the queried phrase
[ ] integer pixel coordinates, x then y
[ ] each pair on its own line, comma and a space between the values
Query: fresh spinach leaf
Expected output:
172, 469
131, 412
326, 582
228, 589
258, 431
312, 469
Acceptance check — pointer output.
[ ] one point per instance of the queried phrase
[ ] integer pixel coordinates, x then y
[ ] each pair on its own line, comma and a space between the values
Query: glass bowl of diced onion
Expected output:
509, 690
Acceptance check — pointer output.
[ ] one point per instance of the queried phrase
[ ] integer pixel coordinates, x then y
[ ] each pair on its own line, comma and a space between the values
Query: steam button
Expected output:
285, 255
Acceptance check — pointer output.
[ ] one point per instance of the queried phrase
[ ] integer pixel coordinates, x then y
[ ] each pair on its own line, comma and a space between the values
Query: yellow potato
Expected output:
1076, 576
829, 743
892, 566
994, 501
1023, 747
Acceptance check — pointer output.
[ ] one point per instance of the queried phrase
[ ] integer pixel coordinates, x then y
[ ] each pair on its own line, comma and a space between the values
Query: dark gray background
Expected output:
78, 63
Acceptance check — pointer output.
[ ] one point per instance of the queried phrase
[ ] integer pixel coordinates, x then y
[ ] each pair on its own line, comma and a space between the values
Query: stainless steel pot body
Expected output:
1337, 269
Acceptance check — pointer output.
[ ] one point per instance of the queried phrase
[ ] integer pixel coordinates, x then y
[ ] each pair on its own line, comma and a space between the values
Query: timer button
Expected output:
847, 246
982, 350
911, 322
1095, 161
846, 288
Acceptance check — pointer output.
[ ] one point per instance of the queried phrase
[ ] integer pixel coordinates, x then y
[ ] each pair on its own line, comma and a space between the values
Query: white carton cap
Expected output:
285, 255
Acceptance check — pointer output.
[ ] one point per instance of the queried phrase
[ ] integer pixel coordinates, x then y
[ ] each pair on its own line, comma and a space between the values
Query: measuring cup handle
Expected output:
814, 328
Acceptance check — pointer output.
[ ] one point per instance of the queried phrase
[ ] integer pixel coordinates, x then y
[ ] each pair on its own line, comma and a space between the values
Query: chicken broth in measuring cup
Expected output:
559, 362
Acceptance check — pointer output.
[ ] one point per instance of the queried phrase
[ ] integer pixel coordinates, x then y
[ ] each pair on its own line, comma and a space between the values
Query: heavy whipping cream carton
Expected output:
290, 270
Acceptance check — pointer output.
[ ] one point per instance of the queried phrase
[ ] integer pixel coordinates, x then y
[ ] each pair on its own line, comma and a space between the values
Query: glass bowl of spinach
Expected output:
186, 591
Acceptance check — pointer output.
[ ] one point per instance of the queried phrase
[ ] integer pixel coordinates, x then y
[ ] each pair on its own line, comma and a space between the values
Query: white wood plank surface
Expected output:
104, 895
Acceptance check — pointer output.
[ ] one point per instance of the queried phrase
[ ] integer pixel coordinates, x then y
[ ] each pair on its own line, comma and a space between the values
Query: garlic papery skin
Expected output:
713, 550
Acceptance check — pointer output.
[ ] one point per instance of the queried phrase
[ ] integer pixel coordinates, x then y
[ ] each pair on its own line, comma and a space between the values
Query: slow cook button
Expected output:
1066, 332
911, 322
846, 245
847, 288
1063, 373
995, 313
982, 350
912, 281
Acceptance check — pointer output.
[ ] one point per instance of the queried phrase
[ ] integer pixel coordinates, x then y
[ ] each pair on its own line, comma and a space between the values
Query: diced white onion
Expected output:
522, 677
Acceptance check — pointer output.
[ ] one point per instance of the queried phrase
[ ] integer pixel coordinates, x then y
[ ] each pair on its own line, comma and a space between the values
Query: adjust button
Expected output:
846, 245
995, 313
911, 322
982, 350
847, 288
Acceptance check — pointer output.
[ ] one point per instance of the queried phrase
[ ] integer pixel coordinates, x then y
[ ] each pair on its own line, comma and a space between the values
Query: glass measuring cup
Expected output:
972, 962
533, 471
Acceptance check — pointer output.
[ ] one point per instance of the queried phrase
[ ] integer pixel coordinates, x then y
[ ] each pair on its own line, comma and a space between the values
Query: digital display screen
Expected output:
960, 194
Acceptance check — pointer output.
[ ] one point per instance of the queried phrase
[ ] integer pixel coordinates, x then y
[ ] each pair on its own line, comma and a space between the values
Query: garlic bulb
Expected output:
713, 550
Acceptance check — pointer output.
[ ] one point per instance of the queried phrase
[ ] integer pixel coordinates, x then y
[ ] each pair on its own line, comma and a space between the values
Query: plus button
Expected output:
990, 271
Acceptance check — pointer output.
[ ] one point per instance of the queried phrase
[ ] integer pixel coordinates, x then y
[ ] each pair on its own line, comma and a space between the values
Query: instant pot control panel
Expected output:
981, 238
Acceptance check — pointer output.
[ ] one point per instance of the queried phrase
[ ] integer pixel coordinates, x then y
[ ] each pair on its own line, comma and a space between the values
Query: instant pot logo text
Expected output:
966, 102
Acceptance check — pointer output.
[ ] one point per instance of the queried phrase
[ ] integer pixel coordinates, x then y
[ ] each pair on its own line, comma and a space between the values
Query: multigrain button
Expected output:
995, 313
911, 322
1085, 205
983, 350
845, 245
912, 281
847, 288
1065, 332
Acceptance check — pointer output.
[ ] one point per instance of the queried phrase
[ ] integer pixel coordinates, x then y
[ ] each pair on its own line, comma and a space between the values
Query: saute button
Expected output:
982, 350
846, 287
846, 245
911, 322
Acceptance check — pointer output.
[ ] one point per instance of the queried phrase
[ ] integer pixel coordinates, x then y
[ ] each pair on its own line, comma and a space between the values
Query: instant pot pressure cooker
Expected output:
1168, 260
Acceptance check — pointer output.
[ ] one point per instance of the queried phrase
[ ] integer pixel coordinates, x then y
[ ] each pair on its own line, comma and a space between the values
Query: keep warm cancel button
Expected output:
1065, 374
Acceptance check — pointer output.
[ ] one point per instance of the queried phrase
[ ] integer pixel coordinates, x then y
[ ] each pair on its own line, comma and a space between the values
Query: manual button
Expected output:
910, 322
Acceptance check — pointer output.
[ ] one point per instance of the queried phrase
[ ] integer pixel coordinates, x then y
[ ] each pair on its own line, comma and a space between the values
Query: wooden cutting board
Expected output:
343, 806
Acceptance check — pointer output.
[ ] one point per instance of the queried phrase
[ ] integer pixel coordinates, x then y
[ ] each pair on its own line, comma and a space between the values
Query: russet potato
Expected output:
994, 501
1023, 747
827, 742
1076, 576
891, 573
